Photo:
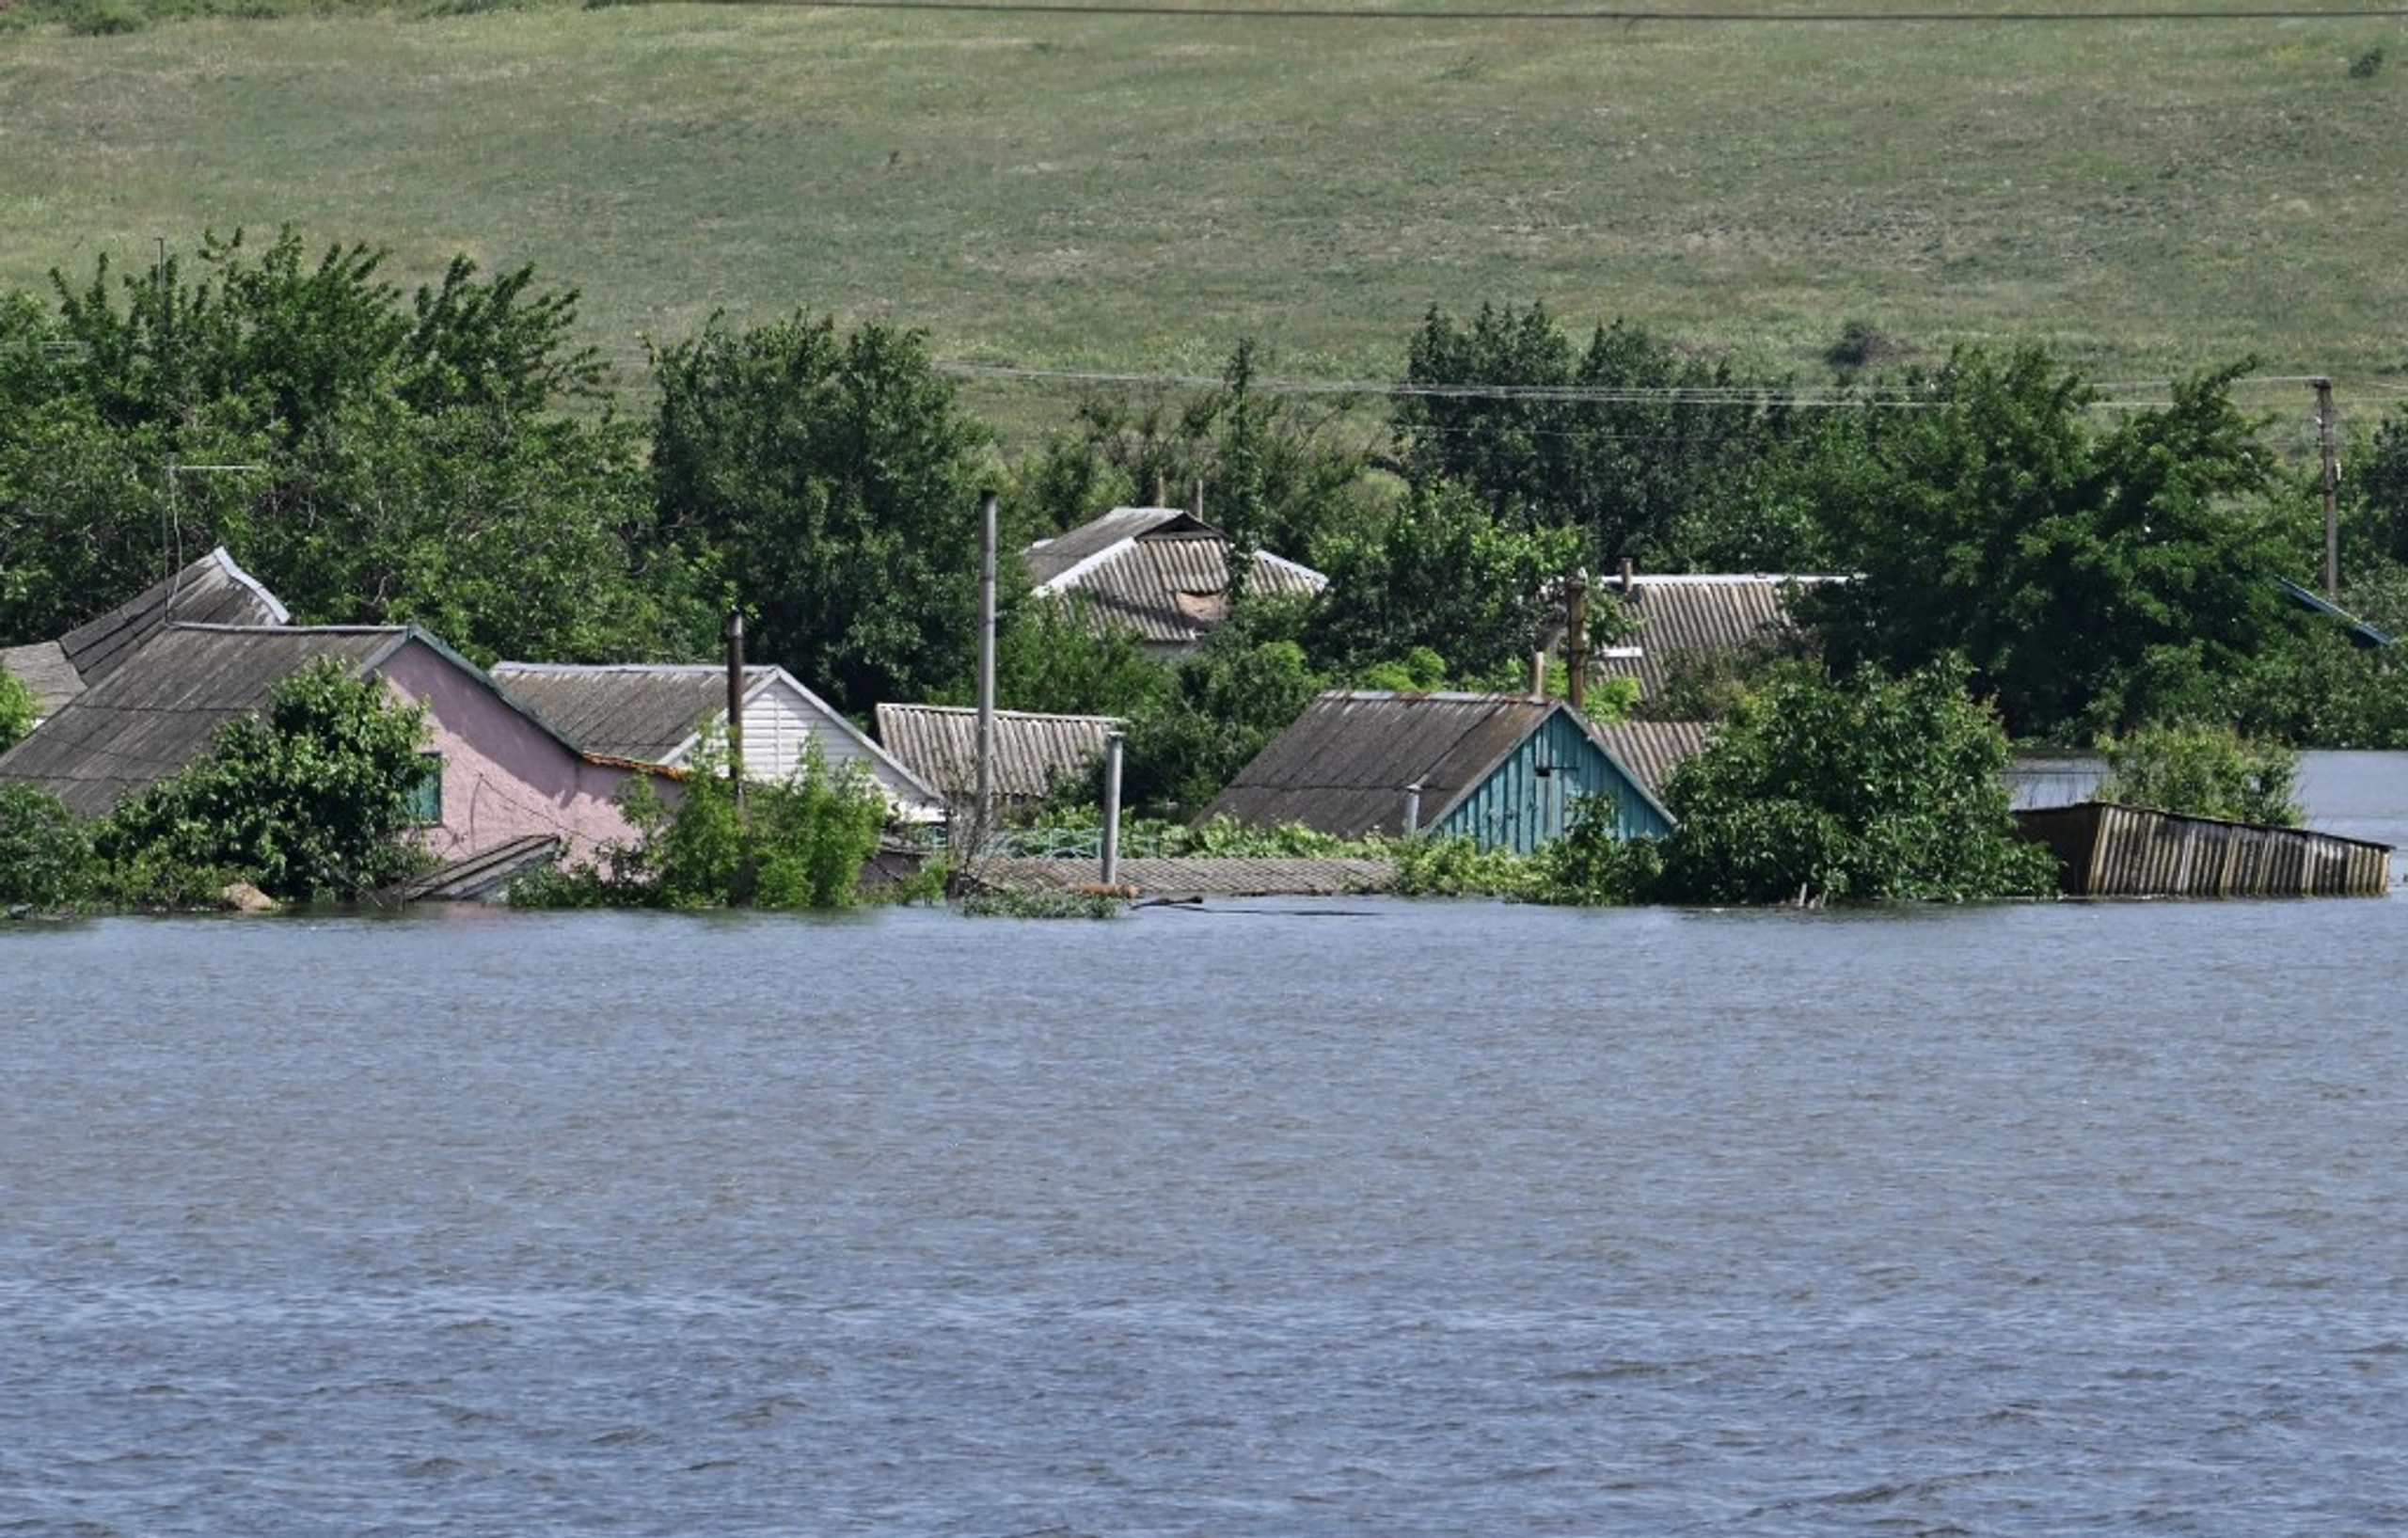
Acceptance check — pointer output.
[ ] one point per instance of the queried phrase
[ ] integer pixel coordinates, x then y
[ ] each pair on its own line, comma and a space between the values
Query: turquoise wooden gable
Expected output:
1534, 793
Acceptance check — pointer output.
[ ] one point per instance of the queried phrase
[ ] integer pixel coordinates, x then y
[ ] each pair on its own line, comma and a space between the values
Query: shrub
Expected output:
46, 861
2201, 770
1872, 788
799, 842
312, 798
18, 708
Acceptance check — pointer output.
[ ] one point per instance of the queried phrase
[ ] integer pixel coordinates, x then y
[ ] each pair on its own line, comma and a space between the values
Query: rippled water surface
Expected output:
1275, 1218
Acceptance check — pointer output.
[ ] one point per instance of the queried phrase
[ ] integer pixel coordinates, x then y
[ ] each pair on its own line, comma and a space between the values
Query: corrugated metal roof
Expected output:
148, 717
1651, 749
2104, 849
1343, 765
1695, 613
939, 744
1159, 572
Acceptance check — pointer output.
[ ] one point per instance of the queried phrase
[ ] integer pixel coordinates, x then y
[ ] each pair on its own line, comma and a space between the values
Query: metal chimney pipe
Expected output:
1413, 810
734, 632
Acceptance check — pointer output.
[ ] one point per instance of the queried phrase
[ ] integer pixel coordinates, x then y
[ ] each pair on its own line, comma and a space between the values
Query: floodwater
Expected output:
1277, 1217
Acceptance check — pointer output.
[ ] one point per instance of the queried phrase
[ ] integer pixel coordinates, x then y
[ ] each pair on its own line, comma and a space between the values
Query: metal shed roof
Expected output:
939, 744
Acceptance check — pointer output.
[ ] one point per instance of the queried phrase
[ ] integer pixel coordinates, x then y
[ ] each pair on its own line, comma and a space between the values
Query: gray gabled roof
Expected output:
644, 713
1342, 764
1682, 614
939, 744
211, 591
150, 716
1156, 571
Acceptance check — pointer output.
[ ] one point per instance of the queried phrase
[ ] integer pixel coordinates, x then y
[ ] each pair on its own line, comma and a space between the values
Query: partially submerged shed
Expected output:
1506, 770
2104, 849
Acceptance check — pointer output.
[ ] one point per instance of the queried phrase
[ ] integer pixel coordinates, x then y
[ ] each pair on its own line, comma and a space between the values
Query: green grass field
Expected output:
1134, 192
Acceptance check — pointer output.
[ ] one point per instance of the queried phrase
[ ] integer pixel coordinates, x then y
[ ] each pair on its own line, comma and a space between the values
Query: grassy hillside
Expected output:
1134, 192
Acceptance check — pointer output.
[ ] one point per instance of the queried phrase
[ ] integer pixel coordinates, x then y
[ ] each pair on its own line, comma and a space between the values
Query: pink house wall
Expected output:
504, 777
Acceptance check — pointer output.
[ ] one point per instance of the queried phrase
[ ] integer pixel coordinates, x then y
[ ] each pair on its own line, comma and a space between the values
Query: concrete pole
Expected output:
735, 635
1112, 746
984, 815
2325, 443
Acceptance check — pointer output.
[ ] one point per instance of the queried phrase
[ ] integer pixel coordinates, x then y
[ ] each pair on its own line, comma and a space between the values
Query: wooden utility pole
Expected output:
734, 634
2326, 445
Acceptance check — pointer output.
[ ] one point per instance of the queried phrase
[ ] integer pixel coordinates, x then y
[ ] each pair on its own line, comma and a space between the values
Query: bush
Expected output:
312, 798
18, 708
1869, 789
46, 861
796, 842
2201, 770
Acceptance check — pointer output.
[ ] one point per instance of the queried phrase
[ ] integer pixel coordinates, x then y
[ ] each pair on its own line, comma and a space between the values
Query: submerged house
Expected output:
1032, 752
1506, 770
210, 591
496, 774
659, 713
1159, 572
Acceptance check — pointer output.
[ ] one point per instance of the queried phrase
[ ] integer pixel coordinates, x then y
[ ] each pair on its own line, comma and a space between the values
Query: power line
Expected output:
2120, 395
1610, 18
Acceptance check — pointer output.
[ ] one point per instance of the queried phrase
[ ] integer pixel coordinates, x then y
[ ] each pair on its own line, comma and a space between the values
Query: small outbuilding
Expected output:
2105, 849
1506, 770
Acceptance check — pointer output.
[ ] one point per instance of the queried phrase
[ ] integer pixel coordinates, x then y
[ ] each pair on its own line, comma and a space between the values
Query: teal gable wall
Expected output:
1517, 808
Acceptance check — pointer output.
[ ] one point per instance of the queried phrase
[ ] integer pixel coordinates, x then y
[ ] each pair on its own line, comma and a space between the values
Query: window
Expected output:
426, 796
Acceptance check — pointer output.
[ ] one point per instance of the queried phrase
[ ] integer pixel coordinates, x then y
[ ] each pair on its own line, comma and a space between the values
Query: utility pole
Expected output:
734, 634
2324, 444
983, 818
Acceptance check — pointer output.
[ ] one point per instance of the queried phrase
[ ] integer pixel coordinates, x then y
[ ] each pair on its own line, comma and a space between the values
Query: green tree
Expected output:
2202, 770
445, 456
46, 861
1055, 658
1440, 573
1624, 439
1869, 789
2093, 579
833, 480
1290, 472
1243, 685
313, 798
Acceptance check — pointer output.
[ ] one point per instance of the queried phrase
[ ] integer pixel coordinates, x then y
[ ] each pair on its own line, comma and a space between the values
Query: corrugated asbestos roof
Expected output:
1195, 877
146, 720
939, 744
1651, 749
1157, 571
1679, 614
1341, 767
638, 713
211, 591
